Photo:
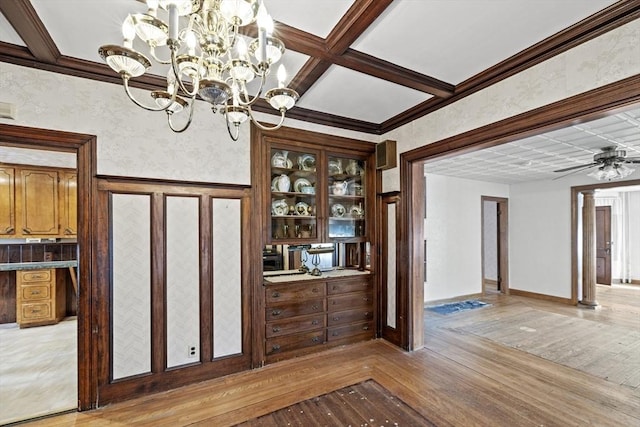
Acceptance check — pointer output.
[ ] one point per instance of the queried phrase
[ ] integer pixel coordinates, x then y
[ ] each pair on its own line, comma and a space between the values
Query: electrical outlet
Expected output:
191, 352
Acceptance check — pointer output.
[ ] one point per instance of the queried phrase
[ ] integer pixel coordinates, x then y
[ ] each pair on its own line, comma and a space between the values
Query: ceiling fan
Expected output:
611, 165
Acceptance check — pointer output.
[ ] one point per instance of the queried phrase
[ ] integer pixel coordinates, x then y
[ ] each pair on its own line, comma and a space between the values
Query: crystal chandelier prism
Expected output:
207, 57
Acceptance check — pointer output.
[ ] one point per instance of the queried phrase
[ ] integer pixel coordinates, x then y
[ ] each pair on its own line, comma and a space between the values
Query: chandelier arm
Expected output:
152, 52
125, 80
191, 108
176, 73
237, 135
267, 128
248, 102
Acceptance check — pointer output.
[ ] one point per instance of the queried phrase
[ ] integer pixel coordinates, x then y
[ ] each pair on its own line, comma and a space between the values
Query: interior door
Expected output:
390, 303
603, 245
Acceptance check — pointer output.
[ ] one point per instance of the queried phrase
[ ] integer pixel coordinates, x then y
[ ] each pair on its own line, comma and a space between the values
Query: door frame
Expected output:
84, 147
594, 104
502, 205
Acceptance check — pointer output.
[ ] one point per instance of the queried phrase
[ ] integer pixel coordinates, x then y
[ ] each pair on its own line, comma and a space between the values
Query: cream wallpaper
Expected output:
131, 243
183, 279
606, 59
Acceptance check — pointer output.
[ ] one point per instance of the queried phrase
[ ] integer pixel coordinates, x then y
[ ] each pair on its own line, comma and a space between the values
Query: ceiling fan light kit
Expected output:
611, 163
208, 57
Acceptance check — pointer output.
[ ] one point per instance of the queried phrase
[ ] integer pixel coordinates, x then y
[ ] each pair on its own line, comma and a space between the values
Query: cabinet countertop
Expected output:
334, 274
12, 266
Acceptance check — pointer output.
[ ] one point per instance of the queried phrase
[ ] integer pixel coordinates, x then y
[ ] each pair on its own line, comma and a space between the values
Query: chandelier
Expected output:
207, 57
611, 171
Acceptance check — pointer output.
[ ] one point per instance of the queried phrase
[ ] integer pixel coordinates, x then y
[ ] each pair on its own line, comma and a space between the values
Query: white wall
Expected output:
634, 235
540, 235
453, 231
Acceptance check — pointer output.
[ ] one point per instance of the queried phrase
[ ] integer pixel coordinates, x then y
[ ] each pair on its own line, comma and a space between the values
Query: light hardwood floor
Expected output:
460, 378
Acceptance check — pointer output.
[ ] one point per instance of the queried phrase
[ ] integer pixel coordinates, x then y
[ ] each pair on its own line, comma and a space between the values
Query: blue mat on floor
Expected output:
454, 307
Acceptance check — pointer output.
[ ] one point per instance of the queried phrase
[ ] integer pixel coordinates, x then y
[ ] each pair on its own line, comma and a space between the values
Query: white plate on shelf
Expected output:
302, 209
300, 184
338, 210
307, 162
279, 207
335, 168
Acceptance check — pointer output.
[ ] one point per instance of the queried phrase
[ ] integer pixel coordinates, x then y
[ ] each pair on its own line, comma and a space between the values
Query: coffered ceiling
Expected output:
366, 65
370, 65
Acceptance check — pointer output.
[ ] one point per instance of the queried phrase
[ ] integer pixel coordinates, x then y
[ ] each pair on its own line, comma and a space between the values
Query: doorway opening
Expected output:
82, 149
495, 240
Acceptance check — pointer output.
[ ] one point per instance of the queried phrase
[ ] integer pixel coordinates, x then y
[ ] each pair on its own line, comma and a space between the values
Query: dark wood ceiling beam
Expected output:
310, 72
356, 21
24, 19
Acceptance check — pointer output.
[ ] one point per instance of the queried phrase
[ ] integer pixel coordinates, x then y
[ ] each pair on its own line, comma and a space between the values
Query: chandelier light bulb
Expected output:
282, 75
190, 38
241, 47
128, 31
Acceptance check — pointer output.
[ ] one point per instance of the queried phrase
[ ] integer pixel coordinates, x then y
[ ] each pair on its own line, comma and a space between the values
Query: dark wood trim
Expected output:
84, 147
575, 212
206, 279
158, 276
503, 243
518, 292
24, 19
587, 106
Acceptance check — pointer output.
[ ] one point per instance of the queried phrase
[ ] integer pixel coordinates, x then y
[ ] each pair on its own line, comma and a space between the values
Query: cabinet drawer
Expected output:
294, 292
35, 275
350, 286
294, 325
349, 316
341, 332
351, 301
36, 311
283, 311
294, 342
35, 292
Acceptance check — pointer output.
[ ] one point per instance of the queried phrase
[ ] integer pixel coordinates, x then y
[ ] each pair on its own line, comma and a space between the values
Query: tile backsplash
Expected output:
37, 252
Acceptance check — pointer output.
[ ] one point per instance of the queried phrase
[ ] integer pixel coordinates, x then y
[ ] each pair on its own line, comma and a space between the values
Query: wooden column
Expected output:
588, 250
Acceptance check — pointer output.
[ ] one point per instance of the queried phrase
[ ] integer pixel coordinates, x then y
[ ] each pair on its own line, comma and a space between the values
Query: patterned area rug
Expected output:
363, 404
454, 307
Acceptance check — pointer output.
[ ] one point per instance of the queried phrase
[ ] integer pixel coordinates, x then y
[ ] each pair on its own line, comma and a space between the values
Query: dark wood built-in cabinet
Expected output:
304, 316
313, 189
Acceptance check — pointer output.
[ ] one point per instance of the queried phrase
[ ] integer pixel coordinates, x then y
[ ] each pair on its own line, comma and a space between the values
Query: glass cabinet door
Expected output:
346, 197
293, 195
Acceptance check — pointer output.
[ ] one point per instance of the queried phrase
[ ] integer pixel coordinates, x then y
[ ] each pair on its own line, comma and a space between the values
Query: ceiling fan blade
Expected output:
632, 160
575, 170
576, 167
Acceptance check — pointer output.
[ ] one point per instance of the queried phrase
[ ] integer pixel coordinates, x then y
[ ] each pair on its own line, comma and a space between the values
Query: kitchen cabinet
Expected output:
69, 203
40, 299
7, 202
310, 315
37, 202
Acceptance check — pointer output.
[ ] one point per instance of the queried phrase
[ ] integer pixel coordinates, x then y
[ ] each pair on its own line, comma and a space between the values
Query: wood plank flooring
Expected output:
458, 379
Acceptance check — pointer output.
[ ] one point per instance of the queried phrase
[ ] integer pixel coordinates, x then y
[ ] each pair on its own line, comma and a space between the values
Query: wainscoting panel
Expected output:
131, 275
390, 255
227, 275
183, 280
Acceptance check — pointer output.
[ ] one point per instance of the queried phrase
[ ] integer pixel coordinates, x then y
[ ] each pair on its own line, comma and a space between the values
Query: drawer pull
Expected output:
314, 322
9, 230
35, 292
275, 347
315, 339
315, 290
315, 306
335, 333
365, 328
276, 312
336, 318
365, 299
36, 310
335, 288
276, 329
26, 231
276, 295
